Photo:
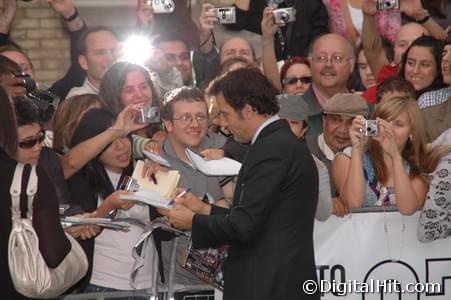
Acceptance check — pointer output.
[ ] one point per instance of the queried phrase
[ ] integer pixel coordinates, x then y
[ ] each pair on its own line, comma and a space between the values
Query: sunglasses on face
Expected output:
30, 143
294, 80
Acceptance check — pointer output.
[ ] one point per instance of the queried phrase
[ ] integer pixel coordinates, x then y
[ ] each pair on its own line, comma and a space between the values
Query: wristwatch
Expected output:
425, 18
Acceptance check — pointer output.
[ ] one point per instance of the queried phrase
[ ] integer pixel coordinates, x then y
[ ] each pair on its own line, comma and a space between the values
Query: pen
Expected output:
172, 201
154, 178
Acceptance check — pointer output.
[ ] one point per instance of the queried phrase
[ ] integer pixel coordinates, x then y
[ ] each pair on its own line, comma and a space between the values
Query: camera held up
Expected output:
387, 4
283, 16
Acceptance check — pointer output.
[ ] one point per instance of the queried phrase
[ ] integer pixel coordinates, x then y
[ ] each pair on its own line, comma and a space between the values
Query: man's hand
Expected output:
192, 202
179, 216
212, 153
145, 14
208, 18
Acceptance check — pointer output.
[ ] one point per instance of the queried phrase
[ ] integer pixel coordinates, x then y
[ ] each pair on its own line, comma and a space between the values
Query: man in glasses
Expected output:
332, 60
185, 117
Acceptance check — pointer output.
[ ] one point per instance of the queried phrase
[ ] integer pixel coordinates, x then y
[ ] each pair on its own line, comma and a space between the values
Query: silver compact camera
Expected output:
225, 15
371, 128
148, 115
284, 15
162, 6
387, 4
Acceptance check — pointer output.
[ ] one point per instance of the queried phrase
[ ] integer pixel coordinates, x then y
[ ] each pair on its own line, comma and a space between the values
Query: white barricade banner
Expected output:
378, 256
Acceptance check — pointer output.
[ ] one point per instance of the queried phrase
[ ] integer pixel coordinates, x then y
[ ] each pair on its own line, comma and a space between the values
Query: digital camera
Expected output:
284, 15
371, 128
387, 4
162, 6
225, 15
148, 115
45, 100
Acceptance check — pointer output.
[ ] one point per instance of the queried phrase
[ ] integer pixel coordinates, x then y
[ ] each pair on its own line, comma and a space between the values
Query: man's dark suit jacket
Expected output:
270, 225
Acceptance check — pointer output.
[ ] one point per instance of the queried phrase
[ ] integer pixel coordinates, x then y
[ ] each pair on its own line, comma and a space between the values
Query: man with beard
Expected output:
98, 51
332, 60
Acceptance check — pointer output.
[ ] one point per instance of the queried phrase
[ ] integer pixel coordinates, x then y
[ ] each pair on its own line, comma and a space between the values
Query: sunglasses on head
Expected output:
294, 80
30, 143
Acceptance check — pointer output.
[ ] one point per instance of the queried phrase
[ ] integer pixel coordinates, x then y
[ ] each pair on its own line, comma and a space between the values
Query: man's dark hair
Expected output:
13, 47
395, 84
246, 86
27, 112
171, 38
188, 94
82, 46
8, 125
436, 48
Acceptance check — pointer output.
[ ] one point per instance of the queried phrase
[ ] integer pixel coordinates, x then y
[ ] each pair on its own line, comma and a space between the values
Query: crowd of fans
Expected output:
335, 67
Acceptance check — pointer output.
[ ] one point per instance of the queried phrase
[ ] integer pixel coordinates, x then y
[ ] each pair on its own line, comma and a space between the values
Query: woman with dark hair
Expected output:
125, 83
96, 188
296, 76
20, 142
421, 63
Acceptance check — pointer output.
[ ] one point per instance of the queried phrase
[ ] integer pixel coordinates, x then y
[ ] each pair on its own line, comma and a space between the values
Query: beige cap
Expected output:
293, 107
346, 104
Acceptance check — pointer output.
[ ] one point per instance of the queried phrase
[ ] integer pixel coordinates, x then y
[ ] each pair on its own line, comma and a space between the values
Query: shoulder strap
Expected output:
16, 189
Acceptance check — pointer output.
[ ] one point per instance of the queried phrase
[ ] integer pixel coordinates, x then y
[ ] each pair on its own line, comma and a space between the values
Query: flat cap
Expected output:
346, 104
293, 107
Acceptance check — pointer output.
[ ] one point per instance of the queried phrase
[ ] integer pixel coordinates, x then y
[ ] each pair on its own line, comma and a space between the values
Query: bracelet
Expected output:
72, 17
425, 19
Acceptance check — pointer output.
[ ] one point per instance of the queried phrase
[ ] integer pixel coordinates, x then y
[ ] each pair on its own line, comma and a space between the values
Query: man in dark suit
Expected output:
270, 224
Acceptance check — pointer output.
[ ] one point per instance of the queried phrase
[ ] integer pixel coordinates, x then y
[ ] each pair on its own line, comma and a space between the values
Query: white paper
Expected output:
149, 197
217, 167
157, 158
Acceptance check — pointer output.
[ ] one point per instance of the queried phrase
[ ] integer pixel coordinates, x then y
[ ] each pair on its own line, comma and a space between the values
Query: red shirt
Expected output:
387, 71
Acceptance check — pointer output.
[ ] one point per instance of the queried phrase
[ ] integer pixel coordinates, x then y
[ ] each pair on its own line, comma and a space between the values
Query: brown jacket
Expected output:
437, 118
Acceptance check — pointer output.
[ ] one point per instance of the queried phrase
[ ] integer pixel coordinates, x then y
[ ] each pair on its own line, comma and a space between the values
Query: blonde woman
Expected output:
385, 169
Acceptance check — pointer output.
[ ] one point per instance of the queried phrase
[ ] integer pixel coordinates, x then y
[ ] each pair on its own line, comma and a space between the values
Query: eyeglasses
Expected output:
334, 59
30, 143
187, 119
294, 80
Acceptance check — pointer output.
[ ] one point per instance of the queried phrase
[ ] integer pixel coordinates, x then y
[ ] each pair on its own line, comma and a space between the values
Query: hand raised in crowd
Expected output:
267, 25
210, 154
369, 7
153, 146
386, 139
125, 121
84, 231
208, 18
7, 16
65, 8
412, 8
357, 135
144, 14
339, 208
14, 85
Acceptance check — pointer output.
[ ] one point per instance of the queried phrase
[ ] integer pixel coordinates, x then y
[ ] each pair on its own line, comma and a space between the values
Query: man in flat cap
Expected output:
338, 113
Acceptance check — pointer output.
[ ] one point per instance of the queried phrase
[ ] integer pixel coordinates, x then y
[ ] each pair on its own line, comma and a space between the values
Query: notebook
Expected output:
217, 167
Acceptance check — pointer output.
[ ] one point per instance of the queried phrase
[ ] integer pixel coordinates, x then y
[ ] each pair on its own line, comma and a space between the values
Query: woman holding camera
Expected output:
20, 142
385, 168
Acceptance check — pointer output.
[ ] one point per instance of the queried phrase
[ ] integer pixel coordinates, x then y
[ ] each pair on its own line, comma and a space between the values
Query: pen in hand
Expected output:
154, 178
172, 201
